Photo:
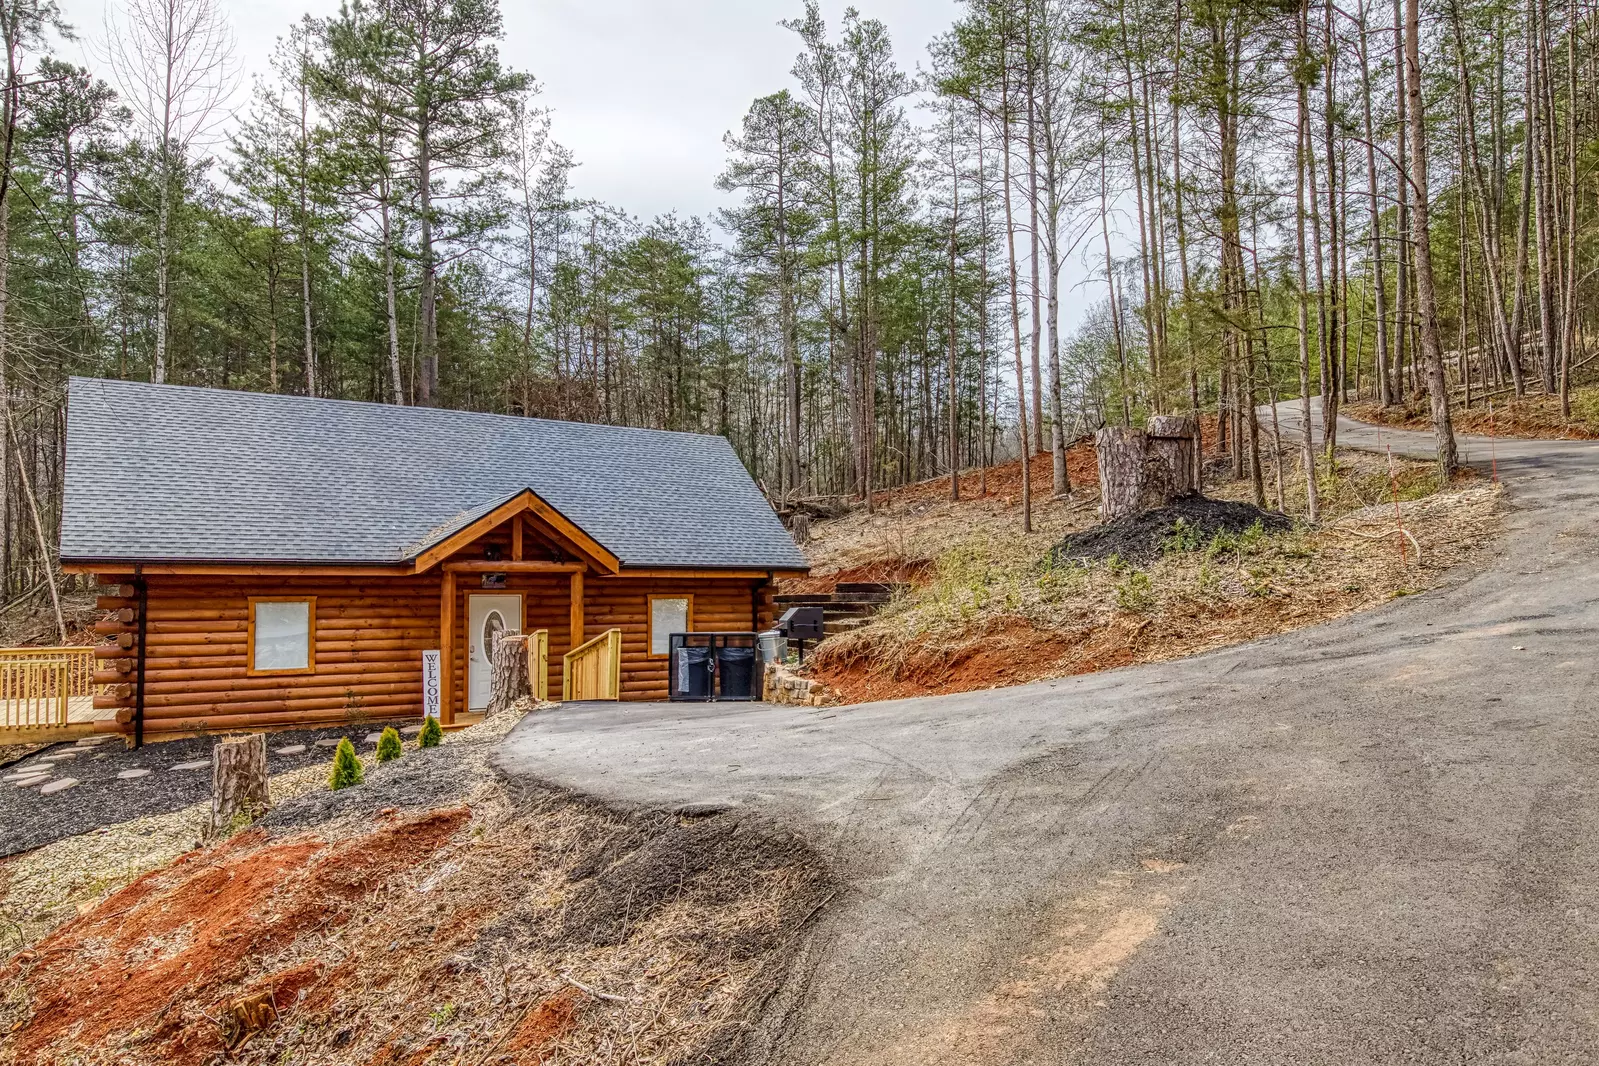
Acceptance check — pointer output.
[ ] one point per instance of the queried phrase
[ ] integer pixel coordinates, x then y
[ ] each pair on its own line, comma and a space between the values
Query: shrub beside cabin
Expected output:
286, 561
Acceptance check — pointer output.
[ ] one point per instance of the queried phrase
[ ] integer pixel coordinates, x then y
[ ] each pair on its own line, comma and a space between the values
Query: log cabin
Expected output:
284, 561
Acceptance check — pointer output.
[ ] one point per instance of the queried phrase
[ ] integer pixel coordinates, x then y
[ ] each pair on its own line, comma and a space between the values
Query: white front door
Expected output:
486, 618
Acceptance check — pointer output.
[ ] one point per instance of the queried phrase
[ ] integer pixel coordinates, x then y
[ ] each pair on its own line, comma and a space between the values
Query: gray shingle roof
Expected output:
173, 473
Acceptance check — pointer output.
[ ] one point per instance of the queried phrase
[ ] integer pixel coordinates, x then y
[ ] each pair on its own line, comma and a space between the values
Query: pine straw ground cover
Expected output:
508, 926
998, 607
1535, 416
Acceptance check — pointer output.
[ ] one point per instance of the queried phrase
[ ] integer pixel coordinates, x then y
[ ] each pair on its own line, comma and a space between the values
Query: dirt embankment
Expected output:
512, 928
989, 605
1532, 417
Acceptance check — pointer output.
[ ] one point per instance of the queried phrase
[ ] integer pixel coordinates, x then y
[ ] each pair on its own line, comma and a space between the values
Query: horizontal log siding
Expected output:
623, 603
370, 634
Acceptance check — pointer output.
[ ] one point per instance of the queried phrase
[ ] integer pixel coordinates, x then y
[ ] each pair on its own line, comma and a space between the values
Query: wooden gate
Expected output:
593, 671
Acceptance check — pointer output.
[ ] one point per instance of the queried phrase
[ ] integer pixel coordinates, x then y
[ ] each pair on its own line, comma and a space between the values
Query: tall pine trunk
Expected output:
1426, 294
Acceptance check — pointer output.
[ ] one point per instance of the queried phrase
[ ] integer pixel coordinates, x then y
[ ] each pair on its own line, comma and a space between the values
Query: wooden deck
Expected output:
82, 720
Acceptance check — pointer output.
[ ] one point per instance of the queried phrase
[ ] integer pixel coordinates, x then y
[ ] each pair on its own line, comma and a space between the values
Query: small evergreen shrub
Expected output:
431, 733
347, 769
389, 745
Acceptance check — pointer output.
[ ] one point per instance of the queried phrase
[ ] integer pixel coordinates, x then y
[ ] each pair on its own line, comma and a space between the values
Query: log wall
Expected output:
623, 603
370, 633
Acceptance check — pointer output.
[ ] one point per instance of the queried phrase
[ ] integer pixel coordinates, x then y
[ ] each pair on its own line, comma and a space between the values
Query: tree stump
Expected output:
239, 788
799, 527
1122, 456
508, 679
1171, 459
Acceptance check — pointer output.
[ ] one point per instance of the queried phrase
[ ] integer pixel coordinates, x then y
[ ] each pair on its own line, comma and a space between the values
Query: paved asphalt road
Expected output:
1374, 841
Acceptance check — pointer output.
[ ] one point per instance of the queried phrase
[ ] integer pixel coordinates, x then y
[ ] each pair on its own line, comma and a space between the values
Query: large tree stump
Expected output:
1171, 466
508, 680
799, 527
239, 788
1122, 455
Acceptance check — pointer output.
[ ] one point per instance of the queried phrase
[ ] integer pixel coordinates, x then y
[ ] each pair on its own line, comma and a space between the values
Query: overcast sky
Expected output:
642, 89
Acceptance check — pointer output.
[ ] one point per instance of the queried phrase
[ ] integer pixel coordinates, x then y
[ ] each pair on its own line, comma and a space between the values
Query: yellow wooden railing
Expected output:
80, 664
34, 692
593, 670
538, 663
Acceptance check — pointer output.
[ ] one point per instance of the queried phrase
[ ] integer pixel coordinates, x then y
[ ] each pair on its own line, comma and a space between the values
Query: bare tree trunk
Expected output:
427, 387
8, 131
982, 310
1379, 288
954, 369
1323, 338
1182, 254
1015, 303
1333, 346
1402, 235
1426, 295
1312, 504
1034, 323
48, 568
389, 304
1524, 219
158, 370
305, 234
1568, 332
1486, 214
1144, 241
1115, 305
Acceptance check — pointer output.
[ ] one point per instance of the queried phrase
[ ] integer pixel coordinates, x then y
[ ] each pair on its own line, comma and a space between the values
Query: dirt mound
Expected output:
415, 937
1139, 538
176, 937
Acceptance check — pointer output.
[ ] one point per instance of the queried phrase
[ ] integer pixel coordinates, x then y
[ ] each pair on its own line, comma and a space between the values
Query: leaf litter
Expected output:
497, 922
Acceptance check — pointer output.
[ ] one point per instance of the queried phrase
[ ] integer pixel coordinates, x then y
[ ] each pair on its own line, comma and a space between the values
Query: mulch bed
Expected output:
30, 820
1141, 537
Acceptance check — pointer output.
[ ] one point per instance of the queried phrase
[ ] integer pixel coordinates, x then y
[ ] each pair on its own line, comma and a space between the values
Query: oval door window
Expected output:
493, 626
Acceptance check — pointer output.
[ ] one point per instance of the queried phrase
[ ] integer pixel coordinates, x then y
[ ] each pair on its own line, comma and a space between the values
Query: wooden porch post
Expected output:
447, 650
577, 607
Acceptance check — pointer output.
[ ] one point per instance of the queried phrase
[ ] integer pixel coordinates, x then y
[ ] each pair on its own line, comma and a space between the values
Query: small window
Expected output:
281, 639
668, 615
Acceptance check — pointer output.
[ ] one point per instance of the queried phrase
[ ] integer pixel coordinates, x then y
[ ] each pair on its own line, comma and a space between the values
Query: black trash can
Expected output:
737, 667
692, 670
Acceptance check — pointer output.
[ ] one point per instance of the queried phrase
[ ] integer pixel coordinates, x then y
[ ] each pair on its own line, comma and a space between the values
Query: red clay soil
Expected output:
122, 975
544, 1025
1012, 654
1005, 479
1532, 418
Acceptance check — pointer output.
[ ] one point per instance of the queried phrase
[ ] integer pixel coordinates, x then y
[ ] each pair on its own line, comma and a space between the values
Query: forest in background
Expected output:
1269, 200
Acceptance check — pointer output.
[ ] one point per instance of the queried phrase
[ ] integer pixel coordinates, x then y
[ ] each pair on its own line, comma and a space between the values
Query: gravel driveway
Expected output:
1371, 841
